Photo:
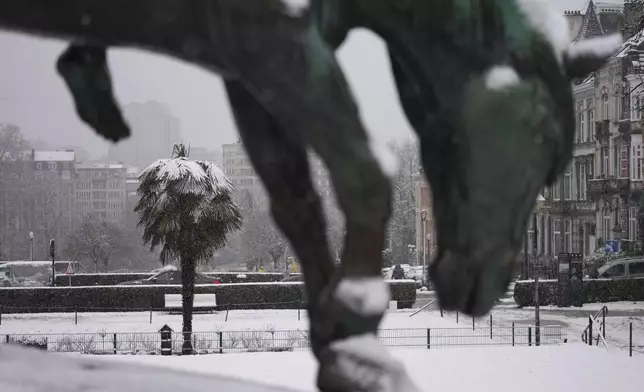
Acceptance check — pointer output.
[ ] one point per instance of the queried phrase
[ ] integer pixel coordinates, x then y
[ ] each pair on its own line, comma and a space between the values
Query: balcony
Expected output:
602, 130
571, 206
608, 186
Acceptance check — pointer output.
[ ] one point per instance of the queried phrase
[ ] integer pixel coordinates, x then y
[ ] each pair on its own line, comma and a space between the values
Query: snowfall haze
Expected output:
33, 96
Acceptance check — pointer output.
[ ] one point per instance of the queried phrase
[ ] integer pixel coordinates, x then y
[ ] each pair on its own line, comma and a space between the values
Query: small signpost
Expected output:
612, 246
52, 253
69, 272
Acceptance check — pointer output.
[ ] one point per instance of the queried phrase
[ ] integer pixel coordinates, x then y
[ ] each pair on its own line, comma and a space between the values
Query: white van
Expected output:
630, 267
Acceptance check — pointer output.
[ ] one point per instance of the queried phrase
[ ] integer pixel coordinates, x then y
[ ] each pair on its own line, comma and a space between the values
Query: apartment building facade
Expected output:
100, 191
593, 201
36, 197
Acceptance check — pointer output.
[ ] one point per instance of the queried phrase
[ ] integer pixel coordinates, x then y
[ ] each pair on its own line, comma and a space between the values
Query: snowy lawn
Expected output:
575, 320
569, 367
238, 320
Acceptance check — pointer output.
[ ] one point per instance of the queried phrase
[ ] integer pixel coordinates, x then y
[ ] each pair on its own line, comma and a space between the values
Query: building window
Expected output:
604, 162
636, 162
615, 172
606, 225
567, 182
38, 165
582, 177
556, 190
567, 235
581, 123
591, 120
605, 107
636, 107
618, 103
51, 165
632, 223
623, 162
556, 238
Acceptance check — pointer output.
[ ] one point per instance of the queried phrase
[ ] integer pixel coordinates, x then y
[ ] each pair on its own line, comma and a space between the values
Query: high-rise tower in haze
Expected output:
154, 132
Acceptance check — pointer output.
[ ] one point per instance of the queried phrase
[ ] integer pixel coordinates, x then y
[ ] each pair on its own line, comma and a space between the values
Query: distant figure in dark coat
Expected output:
398, 272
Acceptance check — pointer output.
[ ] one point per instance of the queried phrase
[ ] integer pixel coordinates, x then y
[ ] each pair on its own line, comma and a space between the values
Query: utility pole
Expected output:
423, 217
537, 319
31, 245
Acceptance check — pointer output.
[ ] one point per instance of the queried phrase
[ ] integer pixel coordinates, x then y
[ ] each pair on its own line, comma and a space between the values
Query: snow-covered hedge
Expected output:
98, 279
132, 298
595, 290
109, 279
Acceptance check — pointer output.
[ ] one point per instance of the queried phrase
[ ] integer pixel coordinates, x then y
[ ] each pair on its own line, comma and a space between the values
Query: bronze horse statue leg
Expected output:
354, 302
488, 91
283, 166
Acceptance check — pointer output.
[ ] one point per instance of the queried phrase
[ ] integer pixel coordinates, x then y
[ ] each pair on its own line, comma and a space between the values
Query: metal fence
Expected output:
281, 340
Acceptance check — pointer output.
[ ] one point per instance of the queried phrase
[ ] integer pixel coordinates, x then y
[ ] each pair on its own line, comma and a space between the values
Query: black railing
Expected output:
220, 342
587, 334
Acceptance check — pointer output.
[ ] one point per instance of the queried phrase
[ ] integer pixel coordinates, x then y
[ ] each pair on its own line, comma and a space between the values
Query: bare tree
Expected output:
12, 145
12, 191
402, 225
97, 241
262, 243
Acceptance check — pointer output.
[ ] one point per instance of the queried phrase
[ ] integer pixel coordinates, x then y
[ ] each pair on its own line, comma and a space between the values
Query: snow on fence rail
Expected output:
279, 340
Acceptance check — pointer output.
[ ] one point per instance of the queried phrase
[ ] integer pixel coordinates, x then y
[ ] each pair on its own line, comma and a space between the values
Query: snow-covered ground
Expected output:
238, 320
574, 320
569, 367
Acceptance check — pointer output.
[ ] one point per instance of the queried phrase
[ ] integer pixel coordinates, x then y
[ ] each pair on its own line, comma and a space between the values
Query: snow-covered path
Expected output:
570, 367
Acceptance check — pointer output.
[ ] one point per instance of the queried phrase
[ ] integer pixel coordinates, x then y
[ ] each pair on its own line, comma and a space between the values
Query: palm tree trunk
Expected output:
188, 294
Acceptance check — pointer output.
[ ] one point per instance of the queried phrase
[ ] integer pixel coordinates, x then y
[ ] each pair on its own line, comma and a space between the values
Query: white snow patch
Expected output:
366, 346
500, 77
197, 173
549, 22
385, 156
238, 320
364, 295
498, 369
602, 47
296, 8
365, 361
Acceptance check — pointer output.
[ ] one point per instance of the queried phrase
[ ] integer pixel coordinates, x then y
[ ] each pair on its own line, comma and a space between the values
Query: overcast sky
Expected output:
33, 97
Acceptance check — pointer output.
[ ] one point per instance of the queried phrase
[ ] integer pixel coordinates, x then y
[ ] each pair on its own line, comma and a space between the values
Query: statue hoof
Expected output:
469, 284
361, 364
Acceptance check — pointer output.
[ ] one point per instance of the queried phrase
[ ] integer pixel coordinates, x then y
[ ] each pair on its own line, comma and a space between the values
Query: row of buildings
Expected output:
51, 193
598, 198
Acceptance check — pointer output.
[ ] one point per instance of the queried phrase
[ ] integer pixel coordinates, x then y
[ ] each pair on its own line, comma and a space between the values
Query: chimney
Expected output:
575, 20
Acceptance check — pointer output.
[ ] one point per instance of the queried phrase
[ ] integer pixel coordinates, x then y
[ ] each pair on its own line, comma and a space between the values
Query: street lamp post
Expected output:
423, 218
537, 319
31, 245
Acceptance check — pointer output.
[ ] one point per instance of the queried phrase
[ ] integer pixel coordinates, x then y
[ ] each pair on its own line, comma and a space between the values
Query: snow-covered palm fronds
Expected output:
187, 208
182, 199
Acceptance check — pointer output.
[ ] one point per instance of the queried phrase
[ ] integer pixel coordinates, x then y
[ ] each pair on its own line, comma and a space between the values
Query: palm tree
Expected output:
186, 207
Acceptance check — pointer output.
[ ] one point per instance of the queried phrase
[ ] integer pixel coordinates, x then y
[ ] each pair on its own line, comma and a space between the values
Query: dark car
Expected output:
171, 277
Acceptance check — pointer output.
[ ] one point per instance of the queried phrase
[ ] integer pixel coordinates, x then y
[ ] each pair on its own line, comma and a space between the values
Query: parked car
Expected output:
171, 277
294, 278
622, 269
